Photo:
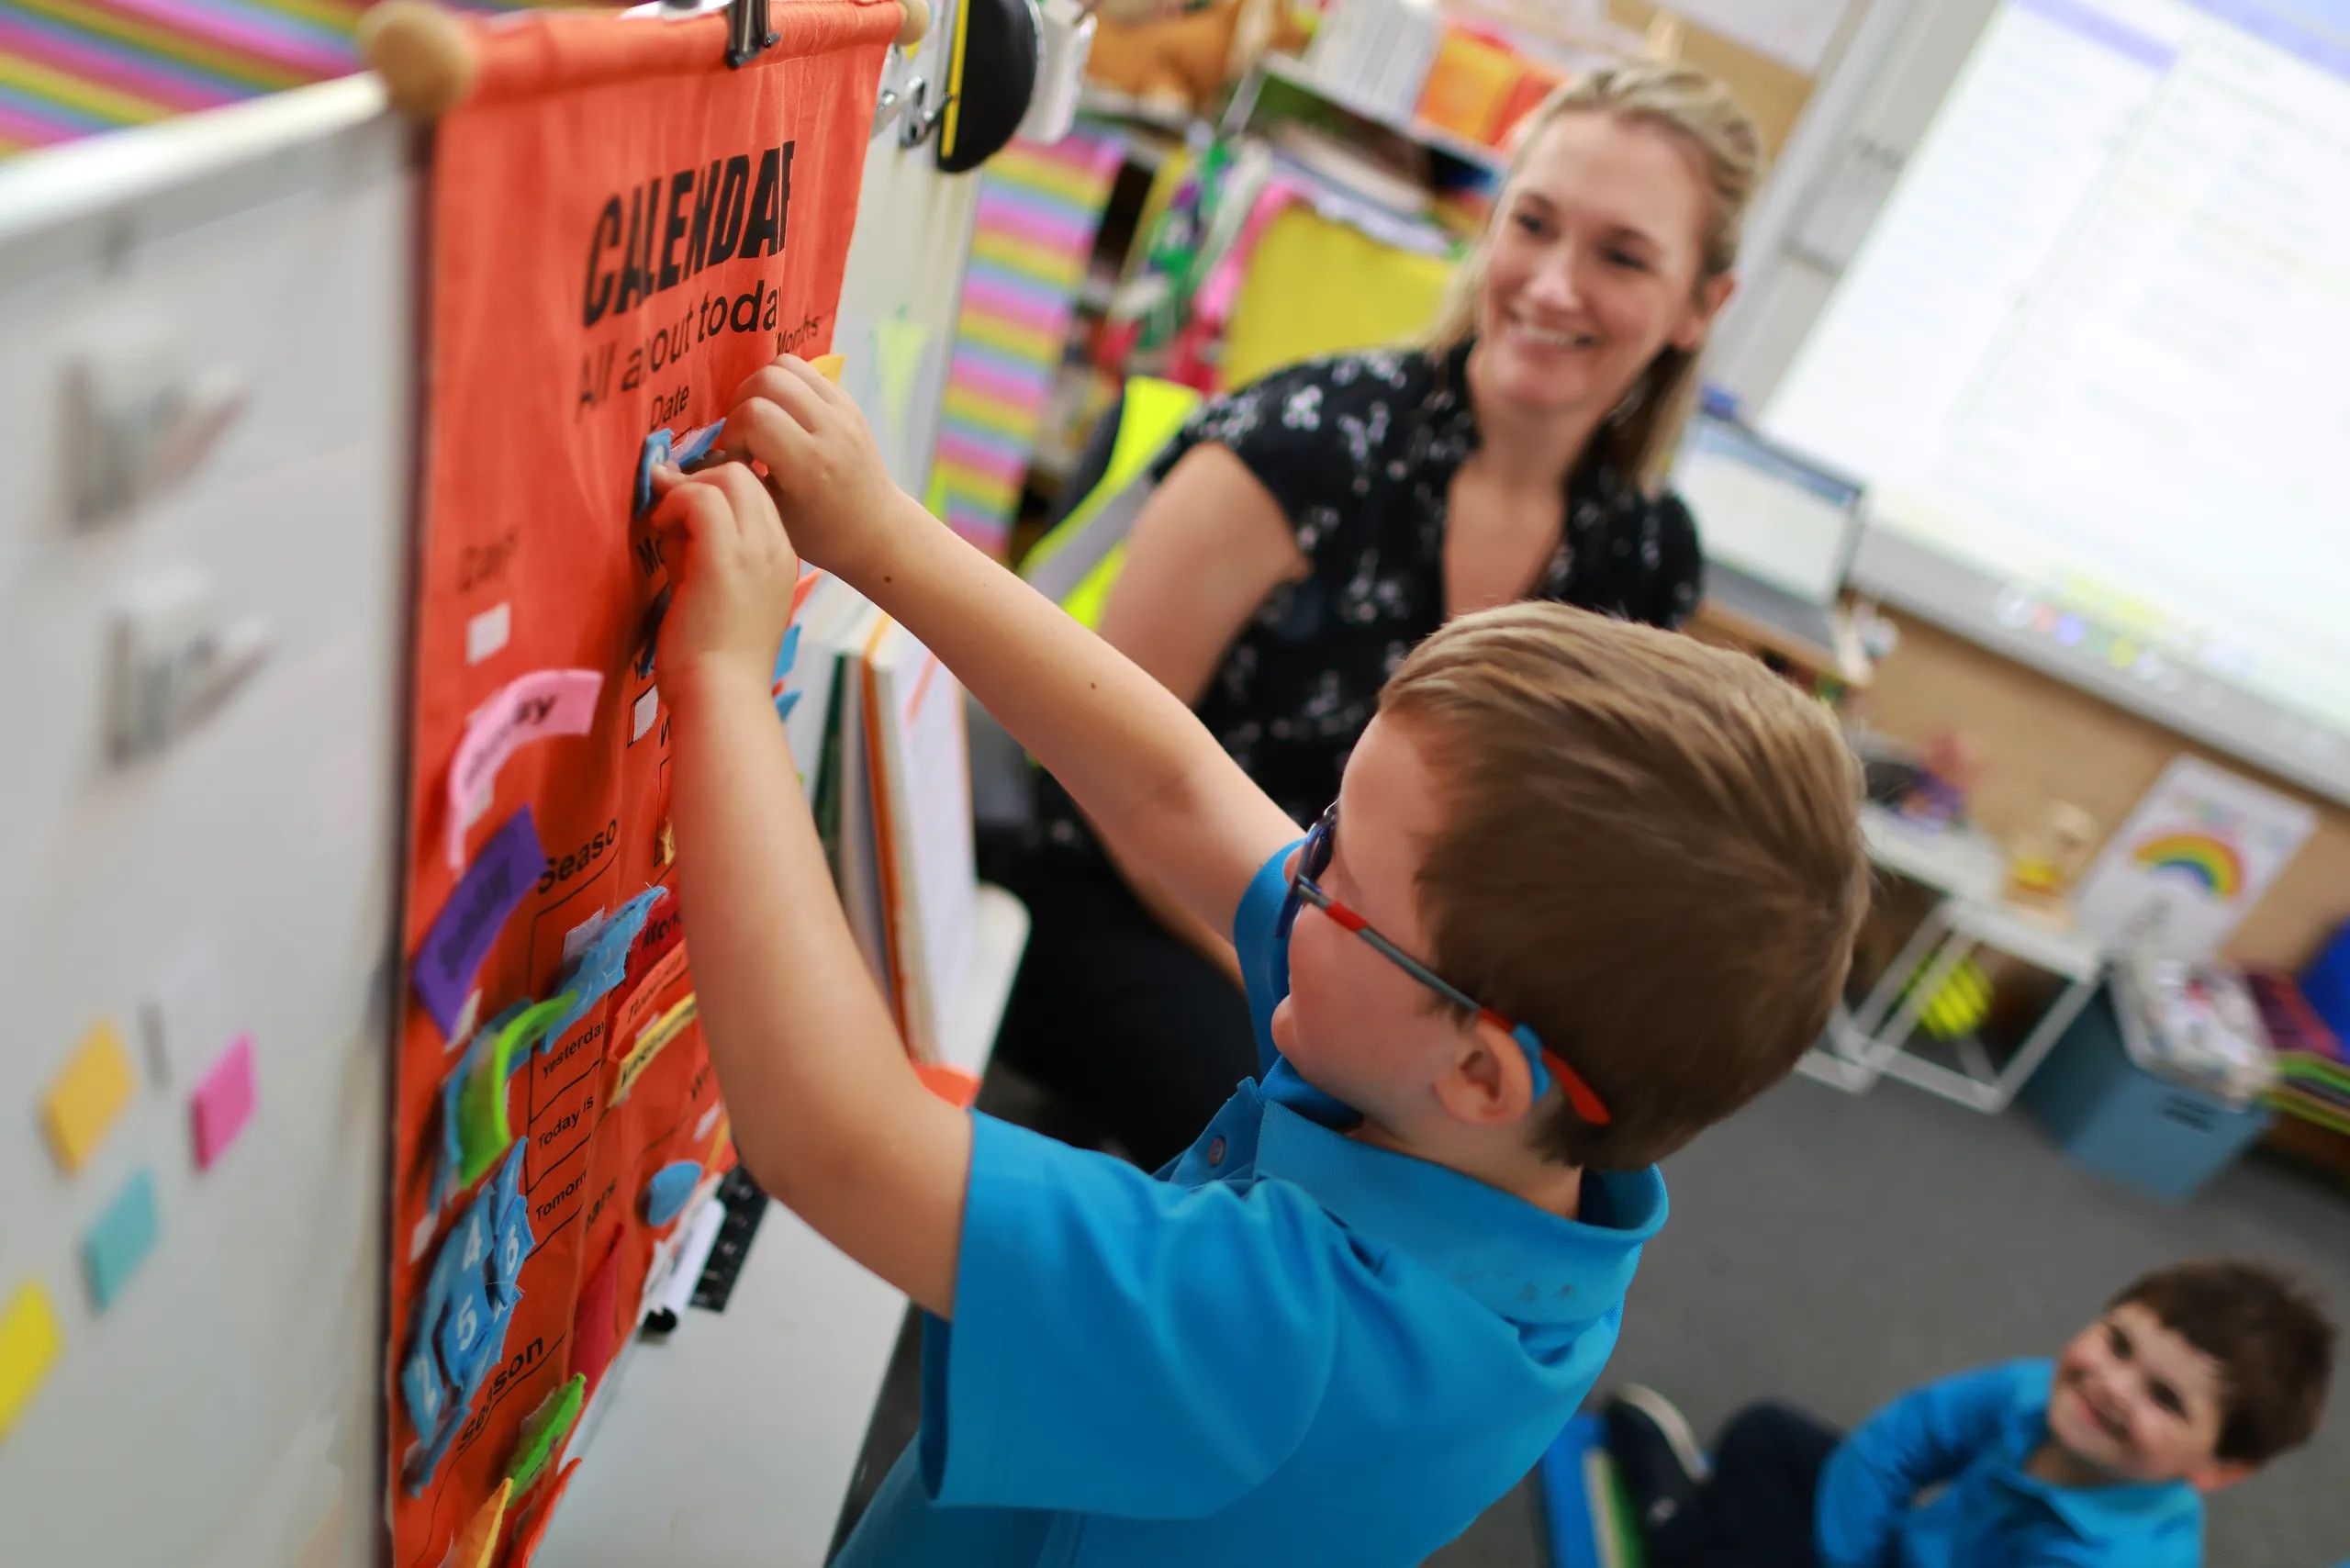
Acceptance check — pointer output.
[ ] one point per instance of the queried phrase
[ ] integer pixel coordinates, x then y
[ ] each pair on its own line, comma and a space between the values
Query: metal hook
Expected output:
913, 105
926, 116
748, 32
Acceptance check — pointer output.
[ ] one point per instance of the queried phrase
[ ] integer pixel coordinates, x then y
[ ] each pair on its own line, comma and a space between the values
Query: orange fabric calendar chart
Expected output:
619, 230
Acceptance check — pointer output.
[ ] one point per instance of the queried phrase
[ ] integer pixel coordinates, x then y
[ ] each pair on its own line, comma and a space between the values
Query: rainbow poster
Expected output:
2191, 861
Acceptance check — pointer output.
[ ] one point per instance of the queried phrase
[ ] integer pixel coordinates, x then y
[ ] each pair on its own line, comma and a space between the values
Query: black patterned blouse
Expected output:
1360, 450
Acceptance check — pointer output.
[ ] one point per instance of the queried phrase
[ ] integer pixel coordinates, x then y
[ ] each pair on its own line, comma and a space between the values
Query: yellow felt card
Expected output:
479, 1543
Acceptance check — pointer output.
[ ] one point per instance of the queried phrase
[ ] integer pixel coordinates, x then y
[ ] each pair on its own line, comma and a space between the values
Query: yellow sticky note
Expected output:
28, 1347
476, 1546
828, 365
87, 1096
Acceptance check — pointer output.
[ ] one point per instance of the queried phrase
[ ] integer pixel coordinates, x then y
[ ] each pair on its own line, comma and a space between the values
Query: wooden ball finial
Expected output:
422, 53
916, 25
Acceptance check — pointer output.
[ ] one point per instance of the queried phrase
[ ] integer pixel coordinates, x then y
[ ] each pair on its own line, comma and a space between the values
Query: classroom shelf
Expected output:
735, 1441
1295, 73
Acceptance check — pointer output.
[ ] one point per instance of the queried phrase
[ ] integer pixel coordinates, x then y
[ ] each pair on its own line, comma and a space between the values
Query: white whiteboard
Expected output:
2089, 354
225, 1410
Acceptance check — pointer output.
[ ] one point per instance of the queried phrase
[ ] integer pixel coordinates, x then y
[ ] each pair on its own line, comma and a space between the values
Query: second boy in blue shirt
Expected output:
2192, 1378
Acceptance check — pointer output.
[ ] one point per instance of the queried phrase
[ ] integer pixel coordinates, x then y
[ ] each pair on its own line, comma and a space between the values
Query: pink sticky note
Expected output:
223, 1103
530, 708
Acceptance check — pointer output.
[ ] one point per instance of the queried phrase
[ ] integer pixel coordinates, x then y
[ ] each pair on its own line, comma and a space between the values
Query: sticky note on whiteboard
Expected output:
114, 1247
84, 1099
29, 1344
224, 1102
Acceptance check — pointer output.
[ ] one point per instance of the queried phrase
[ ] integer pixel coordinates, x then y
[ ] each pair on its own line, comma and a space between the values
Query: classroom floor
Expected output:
1835, 1251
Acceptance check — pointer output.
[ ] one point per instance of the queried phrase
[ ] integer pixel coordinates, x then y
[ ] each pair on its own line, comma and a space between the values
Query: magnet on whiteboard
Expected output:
177, 658
136, 424
187, 1015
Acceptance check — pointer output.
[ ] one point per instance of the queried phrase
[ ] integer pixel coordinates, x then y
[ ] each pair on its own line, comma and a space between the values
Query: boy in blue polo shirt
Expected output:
2193, 1377
1587, 888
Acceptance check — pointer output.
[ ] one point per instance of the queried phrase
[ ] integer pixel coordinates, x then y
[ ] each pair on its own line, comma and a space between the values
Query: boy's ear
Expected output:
1488, 1083
2219, 1474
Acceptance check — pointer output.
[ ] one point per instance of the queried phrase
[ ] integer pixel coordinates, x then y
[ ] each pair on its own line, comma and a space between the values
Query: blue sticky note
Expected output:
787, 654
421, 1387
658, 447
421, 1465
491, 1352
465, 1325
695, 444
785, 703
460, 1327
603, 963
473, 1240
666, 1194
507, 1190
514, 1241
120, 1239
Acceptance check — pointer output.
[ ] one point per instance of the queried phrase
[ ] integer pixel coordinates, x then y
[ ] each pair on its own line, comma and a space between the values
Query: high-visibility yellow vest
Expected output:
1076, 562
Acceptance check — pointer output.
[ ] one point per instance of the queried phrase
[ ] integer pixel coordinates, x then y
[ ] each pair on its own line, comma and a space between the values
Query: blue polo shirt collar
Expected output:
1520, 1262
2094, 1513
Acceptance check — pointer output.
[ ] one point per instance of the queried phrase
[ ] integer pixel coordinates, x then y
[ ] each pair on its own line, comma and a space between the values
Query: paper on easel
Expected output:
813, 674
837, 629
919, 759
2193, 859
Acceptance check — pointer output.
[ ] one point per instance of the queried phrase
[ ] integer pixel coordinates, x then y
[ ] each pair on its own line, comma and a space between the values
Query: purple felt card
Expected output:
469, 922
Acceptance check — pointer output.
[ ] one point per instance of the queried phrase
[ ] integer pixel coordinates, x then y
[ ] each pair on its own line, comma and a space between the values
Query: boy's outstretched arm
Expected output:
827, 1113
1922, 1439
1165, 796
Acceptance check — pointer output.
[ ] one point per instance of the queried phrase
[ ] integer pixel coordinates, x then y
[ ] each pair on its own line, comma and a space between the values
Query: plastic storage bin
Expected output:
2326, 983
2112, 1115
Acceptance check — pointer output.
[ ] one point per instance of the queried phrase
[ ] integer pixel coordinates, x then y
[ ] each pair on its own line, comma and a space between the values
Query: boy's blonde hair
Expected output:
1724, 150
1652, 854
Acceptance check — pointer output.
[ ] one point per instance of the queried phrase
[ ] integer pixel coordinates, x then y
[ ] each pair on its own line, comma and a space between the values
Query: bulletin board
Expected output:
621, 229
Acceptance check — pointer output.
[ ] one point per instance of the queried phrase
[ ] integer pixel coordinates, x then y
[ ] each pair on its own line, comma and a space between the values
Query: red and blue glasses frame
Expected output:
1313, 859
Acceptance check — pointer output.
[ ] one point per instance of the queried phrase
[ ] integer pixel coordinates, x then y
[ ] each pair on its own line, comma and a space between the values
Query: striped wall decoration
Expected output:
73, 68
1032, 237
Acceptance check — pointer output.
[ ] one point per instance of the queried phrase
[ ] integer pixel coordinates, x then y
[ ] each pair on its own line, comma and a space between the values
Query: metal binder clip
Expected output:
913, 105
747, 33
921, 114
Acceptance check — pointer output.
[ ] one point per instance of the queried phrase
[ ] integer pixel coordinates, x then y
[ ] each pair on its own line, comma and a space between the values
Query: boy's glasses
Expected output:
1313, 859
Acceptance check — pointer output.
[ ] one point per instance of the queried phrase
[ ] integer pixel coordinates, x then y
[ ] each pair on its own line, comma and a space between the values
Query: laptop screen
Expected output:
1767, 513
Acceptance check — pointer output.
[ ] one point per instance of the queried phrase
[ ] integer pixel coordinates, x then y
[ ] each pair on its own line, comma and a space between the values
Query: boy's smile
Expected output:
2135, 1402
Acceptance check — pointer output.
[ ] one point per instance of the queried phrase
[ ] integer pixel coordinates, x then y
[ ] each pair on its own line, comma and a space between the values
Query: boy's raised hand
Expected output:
733, 569
820, 460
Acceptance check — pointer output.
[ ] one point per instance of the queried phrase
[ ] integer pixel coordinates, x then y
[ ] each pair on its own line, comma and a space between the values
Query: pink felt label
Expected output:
224, 1102
530, 708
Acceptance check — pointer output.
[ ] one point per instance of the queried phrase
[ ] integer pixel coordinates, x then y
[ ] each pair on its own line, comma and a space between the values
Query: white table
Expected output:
1957, 862
1883, 1027
730, 1444
1969, 870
